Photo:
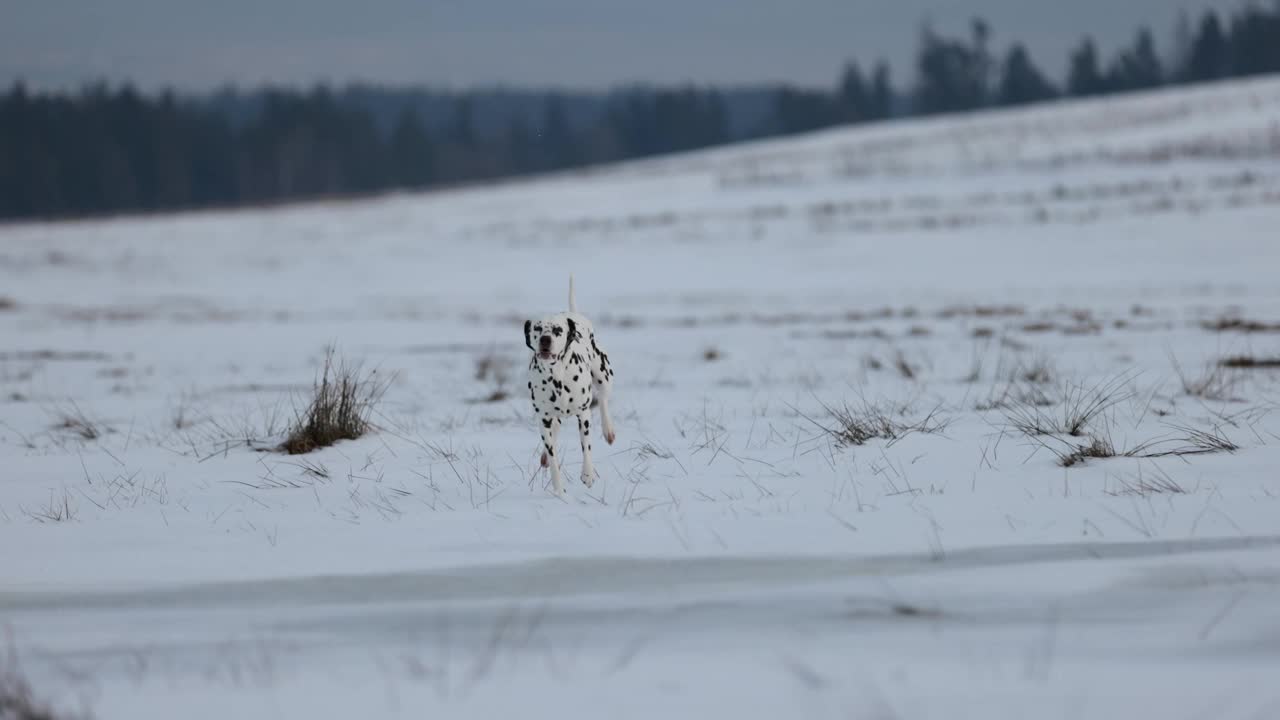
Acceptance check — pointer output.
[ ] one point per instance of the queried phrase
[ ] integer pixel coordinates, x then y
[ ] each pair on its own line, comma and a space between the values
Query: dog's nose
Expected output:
545, 341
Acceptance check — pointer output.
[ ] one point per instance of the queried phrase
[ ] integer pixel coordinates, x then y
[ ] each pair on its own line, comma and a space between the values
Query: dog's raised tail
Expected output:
573, 306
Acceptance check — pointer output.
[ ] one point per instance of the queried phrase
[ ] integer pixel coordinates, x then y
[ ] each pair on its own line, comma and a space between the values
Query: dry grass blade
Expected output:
58, 509
1194, 441
1146, 485
342, 401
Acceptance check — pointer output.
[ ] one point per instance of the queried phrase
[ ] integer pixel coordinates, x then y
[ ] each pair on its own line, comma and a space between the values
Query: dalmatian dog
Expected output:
568, 370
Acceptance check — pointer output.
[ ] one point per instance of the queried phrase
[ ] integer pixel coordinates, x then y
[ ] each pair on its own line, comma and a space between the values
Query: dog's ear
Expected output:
570, 337
527, 341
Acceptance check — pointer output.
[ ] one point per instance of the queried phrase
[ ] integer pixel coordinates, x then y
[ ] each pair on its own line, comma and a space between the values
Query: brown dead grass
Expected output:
1248, 362
342, 401
1234, 324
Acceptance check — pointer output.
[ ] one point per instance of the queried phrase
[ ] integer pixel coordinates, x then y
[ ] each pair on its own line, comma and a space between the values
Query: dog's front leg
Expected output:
584, 430
550, 432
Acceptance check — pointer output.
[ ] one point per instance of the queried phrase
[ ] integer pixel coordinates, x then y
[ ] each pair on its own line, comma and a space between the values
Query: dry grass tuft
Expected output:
78, 423
18, 700
1186, 441
1235, 324
493, 366
1037, 371
342, 401
857, 425
1080, 406
1097, 447
1215, 382
496, 396
904, 368
496, 369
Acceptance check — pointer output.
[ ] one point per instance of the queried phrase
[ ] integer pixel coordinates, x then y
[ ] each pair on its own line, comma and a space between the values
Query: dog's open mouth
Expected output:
544, 355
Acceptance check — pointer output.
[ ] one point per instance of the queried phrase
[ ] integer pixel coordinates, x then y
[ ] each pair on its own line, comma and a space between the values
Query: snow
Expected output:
732, 559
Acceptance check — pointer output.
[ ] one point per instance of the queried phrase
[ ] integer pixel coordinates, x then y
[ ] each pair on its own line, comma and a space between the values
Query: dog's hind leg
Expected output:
602, 379
606, 422
550, 431
584, 430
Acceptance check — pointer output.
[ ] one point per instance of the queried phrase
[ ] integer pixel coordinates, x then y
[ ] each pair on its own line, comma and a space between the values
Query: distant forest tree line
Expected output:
112, 150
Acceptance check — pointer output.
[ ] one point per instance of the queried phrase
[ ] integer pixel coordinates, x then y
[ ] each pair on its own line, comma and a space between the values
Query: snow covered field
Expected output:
956, 285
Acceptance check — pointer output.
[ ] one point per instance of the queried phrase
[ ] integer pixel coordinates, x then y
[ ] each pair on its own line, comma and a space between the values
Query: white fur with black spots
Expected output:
568, 371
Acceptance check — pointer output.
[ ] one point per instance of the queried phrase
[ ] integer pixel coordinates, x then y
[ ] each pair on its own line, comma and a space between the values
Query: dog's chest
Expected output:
561, 388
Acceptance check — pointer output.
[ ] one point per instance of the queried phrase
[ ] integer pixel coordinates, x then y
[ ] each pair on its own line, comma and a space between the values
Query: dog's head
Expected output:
550, 337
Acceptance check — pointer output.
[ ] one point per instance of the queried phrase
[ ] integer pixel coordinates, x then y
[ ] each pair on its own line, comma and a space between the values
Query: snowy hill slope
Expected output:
956, 284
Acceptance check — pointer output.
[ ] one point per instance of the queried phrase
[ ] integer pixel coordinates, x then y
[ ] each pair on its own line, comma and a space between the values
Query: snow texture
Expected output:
828, 498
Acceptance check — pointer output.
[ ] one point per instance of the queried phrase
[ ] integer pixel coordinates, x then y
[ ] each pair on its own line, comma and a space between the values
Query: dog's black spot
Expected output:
547, 423
587, 424
575, 378
553, 397
557, 331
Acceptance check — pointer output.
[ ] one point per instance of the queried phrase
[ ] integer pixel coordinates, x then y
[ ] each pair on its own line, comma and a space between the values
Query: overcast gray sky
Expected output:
198, 44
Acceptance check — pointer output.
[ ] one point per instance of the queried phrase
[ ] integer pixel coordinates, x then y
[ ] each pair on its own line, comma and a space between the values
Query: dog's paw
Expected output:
610, 436
588, 478
544, 459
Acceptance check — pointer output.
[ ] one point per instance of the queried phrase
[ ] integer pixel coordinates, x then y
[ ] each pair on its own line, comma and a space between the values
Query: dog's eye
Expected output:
557, 332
